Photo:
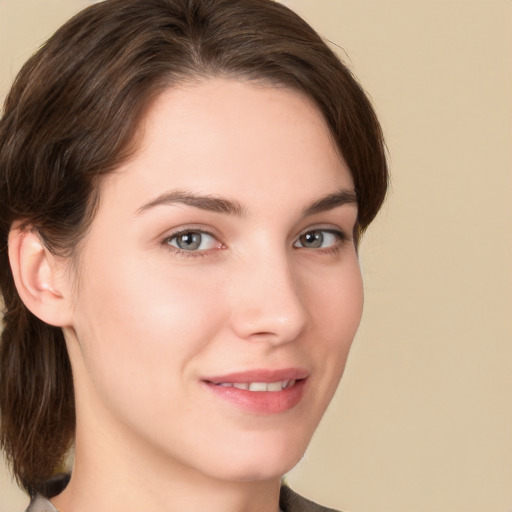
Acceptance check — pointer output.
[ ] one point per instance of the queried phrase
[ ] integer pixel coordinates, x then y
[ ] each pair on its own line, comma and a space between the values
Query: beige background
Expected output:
423, 419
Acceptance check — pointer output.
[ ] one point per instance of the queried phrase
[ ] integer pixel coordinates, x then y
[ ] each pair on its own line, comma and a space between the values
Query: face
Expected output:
218, 286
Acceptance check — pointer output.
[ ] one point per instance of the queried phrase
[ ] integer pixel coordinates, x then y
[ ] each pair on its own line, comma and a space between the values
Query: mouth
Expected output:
261, 391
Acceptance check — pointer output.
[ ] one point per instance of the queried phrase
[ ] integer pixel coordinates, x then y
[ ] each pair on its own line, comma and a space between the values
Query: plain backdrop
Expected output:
423, 418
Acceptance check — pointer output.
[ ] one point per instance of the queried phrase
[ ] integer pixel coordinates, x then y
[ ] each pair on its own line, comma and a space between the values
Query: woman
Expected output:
183, 187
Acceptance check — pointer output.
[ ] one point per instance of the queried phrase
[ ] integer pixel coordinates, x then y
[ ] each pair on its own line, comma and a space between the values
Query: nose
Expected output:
267, 300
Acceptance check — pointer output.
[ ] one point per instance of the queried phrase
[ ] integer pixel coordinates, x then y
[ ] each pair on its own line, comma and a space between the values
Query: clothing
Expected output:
289, 501
40, 504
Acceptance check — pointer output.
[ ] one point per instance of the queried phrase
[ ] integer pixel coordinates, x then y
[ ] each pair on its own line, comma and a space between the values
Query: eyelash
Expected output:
340, 236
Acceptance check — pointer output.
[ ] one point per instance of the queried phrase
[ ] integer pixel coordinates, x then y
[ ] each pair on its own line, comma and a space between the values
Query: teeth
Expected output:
274, 386
260, 386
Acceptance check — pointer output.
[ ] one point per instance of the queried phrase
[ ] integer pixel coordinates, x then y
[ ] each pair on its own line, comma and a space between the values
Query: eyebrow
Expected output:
230, 207
332, 201
204, 202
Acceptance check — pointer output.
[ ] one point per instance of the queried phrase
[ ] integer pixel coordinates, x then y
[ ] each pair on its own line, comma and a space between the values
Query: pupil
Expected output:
189, 241
314, 239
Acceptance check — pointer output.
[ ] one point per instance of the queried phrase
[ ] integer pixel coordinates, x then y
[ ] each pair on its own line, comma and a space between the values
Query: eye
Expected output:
319, 239
193, 241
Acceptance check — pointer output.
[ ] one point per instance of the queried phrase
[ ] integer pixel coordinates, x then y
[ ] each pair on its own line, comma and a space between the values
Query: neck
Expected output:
114, 475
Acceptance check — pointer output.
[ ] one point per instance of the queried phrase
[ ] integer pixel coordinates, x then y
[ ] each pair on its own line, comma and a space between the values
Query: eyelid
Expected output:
187, 228
337, 230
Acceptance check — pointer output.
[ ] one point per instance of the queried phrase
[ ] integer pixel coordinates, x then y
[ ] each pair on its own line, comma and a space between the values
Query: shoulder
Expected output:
290, 501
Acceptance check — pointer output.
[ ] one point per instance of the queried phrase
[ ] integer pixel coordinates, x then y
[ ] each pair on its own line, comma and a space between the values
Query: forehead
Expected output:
237, 139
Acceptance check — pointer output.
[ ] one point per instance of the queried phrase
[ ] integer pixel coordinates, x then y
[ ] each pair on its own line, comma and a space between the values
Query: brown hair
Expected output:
71, 117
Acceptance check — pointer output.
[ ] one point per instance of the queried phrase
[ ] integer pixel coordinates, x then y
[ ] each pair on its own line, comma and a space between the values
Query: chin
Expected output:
258, 472
263, 460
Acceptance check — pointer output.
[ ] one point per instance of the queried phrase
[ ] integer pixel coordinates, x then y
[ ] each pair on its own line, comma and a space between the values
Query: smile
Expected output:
261, 391
259, 386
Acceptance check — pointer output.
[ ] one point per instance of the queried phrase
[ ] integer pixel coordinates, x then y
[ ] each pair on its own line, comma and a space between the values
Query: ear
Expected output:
40, 277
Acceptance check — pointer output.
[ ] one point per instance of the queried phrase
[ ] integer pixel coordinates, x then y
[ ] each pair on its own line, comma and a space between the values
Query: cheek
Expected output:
336, 307
139, 323
336, 302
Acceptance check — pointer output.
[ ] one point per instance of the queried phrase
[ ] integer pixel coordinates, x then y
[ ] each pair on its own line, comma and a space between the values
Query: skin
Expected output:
148, 323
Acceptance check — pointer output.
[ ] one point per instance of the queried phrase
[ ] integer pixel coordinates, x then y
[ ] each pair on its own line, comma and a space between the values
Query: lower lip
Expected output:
261, 402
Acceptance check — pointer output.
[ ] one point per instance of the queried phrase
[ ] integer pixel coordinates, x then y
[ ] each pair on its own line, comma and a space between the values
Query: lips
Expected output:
261, 391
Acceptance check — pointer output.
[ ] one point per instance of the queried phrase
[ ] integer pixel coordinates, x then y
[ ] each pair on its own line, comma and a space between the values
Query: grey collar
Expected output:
41, 504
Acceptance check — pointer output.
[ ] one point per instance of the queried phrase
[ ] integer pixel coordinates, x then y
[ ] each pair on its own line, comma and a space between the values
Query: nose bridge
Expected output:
266, 297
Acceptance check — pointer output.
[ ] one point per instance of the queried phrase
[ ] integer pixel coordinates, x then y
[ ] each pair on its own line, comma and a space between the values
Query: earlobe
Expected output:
38, 278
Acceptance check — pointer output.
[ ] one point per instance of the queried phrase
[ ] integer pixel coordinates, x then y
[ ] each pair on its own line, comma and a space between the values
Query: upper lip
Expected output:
260, 375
